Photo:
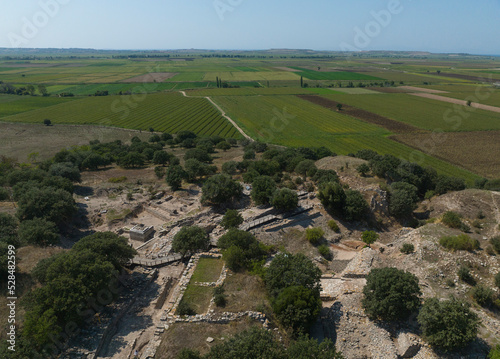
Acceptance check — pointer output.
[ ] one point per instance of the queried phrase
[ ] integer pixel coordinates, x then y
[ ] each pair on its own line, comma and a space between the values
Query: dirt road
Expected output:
457, 101
224, 115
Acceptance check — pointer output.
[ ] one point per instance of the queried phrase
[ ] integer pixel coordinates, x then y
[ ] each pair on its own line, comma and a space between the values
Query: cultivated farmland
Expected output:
162, 112
295, 122
471, 150
422, 112
336, 75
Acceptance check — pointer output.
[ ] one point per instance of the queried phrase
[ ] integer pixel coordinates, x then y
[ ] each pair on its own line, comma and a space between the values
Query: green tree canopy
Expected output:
220, 189
263, 188
54, 205
355, 205
108, 245
174, 176
66, 170
285, 200
190, 239
232, 219
38, 232
390, 294
288, 270
332, 196
161, 158
448, 324
297, 307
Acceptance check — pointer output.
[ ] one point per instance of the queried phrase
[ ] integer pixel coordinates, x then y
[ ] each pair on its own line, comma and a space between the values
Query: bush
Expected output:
219, 297
174, 176
461, 242
184, 309
288, 270
495, 242
4, 194
448, 324
120, 179
494, 352
324, 250
482, 295
497, 280
363, 169
369, 237
390, 294
465, 275
232, 219
239, 249
285, 200
333, 226
263, 188
297, 308
314, 235
407, 248
355, 205
453, 220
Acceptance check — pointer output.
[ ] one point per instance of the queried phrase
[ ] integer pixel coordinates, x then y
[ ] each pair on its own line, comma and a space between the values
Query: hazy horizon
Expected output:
243, 25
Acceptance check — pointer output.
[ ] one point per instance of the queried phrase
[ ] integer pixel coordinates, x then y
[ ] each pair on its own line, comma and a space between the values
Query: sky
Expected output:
443, 26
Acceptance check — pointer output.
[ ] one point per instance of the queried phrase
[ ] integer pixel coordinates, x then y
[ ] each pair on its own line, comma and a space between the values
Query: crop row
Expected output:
162, 112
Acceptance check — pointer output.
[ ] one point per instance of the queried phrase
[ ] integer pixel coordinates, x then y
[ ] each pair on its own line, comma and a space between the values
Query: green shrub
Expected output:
497, 280
450, 283
333, 226
314, 235
219, 297
482, 295
184, 309
494, 353
465, 275
390, 294
407, 248
495, 242
369, 237
324, 250
4, 194
117, 179
453, 220
448, 324
461, 242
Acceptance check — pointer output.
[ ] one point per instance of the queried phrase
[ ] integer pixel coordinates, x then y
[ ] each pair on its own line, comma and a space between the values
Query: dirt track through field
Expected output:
458, 102
387, 123
224, 115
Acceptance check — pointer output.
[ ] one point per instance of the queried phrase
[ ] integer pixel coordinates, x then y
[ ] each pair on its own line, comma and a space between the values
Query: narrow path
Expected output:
223, 114
457, 101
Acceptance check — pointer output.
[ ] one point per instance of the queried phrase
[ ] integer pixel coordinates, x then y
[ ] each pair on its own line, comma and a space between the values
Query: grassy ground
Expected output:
162, 112
207, 270
18, 140
244, 292
421, 112
197, 297
194, 335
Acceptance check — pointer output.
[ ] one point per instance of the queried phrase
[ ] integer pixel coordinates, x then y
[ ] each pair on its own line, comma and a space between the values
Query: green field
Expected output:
162, 112
337, 75
290, 121
422, 112
13, 104
262, 91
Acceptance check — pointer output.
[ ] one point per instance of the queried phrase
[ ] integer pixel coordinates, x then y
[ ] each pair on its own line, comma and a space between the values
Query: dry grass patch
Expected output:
194, 336
244, 292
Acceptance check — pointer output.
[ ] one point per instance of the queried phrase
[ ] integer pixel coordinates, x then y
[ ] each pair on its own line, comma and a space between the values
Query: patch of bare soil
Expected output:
152, 77
458, 102
387, 123
288, 69
475, 151
421, 89
469, 77
389, 89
